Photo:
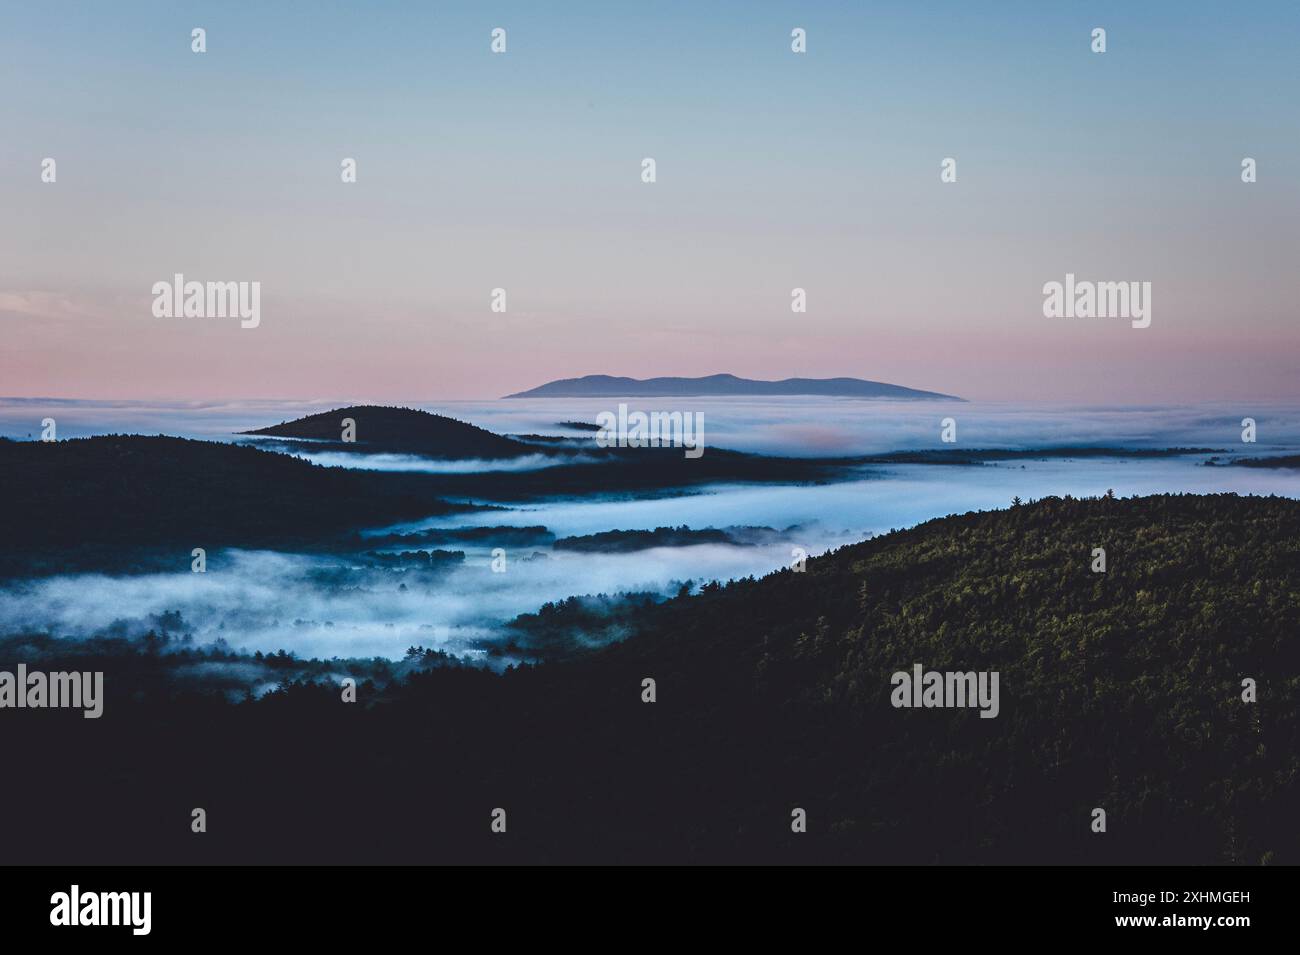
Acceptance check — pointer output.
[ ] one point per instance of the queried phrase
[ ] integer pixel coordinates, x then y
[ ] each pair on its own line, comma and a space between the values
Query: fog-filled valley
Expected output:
454, 580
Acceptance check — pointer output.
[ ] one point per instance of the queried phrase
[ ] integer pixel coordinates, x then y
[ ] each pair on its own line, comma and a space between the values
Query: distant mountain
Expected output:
400, 431
608, 386
1290, 461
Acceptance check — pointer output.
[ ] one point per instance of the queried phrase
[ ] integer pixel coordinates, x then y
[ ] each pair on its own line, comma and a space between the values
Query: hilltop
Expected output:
381, 429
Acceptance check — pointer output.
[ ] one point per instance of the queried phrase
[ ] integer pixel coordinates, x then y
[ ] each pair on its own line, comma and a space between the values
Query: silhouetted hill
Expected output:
641, 472
402, 431
1119, 690
624, 542
976, 456
98, 502
1288, 461
607, 386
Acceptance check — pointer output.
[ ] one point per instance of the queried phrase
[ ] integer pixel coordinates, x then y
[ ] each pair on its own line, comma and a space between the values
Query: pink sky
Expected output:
775, 171
61, 346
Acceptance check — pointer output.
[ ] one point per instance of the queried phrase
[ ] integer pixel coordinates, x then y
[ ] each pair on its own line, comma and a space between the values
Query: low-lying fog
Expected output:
268, 601
800, 425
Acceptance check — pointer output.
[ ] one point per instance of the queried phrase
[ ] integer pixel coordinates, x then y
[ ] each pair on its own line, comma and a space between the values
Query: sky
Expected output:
522, 171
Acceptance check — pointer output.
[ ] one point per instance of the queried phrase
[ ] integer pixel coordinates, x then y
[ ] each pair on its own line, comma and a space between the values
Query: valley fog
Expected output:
787, 425
323, 606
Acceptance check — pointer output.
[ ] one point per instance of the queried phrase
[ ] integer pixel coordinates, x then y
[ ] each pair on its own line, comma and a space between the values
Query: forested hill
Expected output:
97, 502
1119, 691
399, 430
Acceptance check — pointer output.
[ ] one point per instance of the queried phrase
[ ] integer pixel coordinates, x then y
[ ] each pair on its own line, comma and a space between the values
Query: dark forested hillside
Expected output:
402, 430
1119, 690
100, 502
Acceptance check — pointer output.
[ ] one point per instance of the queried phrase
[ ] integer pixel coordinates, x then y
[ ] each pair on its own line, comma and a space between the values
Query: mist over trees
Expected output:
1121, 690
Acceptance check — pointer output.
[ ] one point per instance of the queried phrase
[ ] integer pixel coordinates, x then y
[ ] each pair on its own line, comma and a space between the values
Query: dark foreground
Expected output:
1120, 691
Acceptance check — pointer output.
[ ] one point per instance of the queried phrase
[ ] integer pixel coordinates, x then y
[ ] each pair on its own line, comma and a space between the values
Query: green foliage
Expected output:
1119, 690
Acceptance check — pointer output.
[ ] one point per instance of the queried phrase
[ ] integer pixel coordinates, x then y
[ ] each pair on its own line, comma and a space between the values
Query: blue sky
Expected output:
775, 170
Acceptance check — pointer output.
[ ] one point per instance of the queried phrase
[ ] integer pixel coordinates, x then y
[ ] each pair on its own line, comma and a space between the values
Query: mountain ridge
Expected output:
611, 386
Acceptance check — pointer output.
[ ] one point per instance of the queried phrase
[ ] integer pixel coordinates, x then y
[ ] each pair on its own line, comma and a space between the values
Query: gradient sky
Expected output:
523, 171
